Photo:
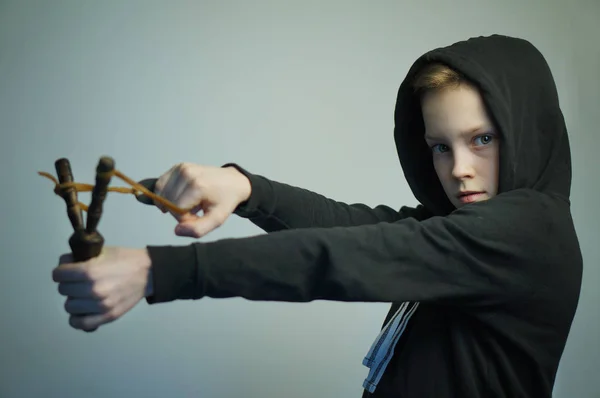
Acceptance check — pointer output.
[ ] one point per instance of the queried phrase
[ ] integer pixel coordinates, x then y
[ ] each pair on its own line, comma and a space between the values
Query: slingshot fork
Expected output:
85, 242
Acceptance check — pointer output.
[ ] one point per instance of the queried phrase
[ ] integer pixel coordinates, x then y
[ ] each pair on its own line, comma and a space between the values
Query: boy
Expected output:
483, 275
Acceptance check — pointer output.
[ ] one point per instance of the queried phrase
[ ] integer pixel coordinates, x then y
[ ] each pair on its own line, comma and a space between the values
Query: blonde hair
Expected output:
435, 77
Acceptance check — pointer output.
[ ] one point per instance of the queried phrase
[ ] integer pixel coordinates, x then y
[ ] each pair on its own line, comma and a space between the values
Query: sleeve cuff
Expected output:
261, 190
176, 274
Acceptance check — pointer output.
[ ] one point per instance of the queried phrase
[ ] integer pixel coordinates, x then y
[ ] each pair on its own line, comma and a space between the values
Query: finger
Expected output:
66, 258
71, 272
79, 306
160, 184
181, 185
188, 200
176, 200
200, 226
90, 323
172, 187
191, 198
77, 289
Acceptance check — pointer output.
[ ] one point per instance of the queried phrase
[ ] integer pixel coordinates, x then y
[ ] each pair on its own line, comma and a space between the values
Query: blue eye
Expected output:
484, 139
439, 148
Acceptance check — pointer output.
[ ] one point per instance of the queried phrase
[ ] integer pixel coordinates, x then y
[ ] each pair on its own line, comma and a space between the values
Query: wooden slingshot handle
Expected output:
85, 242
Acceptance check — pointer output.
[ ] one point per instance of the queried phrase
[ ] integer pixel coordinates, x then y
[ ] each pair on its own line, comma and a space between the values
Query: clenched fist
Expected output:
103, 288
217, 191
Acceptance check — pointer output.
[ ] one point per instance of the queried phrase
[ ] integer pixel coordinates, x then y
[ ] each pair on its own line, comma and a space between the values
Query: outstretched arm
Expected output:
474, 256
275, 206
271, 205
489, 254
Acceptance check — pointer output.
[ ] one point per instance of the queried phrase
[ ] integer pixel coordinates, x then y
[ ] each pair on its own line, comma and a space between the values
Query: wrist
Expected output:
243, 184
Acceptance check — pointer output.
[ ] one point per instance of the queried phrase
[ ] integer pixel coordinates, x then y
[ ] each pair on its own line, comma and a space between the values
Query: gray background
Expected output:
301, 92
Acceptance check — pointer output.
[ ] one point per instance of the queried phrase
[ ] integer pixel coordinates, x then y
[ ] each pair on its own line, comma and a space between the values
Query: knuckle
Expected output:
105, 305
98, 291
160, 184
86, 323
91, 273
112, 315
187, 170
220, 218
197, 184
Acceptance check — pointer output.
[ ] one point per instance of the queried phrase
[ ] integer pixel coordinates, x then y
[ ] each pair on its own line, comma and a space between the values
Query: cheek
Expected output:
443, 168
488, 167
492, 162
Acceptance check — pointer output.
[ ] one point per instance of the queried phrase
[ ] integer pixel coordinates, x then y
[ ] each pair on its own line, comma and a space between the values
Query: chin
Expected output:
458, 205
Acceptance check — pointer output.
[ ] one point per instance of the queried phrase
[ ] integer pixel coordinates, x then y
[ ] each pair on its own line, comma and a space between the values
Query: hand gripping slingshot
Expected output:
86, 242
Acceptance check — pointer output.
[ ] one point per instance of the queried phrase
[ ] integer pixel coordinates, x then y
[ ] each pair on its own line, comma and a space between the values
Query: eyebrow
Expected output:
466, 132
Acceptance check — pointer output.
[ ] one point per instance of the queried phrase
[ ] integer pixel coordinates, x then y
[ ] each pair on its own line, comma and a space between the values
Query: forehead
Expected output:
454, 111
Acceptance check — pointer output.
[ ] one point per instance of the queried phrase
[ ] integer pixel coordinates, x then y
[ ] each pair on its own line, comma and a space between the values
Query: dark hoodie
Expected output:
498, 281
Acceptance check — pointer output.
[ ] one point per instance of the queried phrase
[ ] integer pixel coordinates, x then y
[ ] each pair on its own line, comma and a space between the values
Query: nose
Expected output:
463, 165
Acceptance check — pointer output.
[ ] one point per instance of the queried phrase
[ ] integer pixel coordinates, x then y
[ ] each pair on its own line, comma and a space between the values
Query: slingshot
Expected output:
86, 242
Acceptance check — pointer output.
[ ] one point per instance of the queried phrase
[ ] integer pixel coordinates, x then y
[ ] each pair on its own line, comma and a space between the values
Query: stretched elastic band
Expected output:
137, 189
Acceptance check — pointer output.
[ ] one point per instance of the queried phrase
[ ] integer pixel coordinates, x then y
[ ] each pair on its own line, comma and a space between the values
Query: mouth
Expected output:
470, 196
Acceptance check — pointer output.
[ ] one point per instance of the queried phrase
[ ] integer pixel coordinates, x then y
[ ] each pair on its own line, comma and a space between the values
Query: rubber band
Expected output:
137, 189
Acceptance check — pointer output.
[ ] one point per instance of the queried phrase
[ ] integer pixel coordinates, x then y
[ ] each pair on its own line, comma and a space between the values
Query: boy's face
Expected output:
464, 145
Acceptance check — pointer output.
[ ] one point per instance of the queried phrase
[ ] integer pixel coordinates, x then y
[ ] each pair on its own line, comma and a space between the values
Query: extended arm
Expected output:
475, 256
275, 206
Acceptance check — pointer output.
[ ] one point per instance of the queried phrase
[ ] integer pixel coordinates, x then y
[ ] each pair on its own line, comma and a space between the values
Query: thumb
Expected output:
195, 226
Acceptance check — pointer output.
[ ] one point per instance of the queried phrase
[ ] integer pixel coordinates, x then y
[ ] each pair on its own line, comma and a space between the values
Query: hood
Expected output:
520, 95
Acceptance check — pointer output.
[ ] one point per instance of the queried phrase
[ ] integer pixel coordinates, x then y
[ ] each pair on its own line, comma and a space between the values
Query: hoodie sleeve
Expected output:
275, 206
485, 253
